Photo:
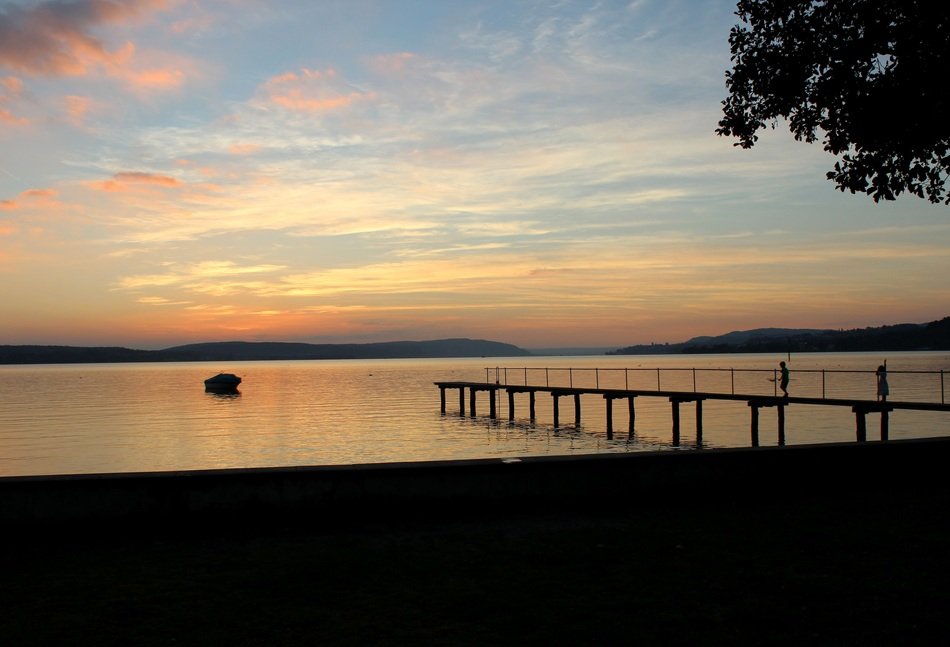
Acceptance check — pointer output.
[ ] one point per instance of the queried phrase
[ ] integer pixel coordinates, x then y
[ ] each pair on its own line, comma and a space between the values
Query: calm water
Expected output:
91, 418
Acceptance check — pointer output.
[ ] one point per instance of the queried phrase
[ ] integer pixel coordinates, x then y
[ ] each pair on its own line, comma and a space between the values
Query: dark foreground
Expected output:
831, 568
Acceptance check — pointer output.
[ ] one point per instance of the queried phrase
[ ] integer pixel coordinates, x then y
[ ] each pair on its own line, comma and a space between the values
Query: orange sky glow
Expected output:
545, 175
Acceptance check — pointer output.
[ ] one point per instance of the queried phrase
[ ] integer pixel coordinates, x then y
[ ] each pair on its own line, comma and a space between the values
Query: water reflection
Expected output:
94, 419
222, 395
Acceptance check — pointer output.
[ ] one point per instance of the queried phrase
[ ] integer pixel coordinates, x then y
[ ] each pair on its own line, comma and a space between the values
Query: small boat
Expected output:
222, 383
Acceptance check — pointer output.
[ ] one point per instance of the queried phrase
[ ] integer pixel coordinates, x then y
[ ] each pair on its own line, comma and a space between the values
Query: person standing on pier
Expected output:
883, 390
783, 383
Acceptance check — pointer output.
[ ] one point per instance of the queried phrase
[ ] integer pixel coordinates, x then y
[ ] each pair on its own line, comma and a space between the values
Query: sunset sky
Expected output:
539, 173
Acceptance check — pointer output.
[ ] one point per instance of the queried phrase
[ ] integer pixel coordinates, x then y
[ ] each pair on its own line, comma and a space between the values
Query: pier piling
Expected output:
676, 421
699, 421
781, 424
861, 424
633, 417
754, 431
609, 401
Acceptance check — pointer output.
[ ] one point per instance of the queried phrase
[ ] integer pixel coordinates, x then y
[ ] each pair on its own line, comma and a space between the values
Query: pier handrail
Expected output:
500, 375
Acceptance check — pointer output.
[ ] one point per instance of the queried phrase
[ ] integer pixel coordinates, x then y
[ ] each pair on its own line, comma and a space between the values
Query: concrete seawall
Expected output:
325, 495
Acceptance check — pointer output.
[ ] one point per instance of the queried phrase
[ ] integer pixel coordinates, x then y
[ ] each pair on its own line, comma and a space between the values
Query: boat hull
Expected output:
222, 383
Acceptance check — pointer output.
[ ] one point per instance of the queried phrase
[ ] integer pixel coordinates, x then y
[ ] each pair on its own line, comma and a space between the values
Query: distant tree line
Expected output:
901, 337
248, 351
73, 355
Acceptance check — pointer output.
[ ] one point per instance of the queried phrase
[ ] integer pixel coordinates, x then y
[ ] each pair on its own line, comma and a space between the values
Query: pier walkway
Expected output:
755, 402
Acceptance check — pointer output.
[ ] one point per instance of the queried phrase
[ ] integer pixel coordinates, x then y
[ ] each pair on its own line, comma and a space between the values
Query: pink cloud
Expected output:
10, 89
155, 79
148, 178
29, 196
146, 73
77, 108
131, 180
8, 117
40, 193
12, 85
55, 38
312, 91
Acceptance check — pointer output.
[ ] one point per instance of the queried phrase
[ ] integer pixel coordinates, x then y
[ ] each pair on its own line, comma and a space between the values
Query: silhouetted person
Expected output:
783, 380
883, 390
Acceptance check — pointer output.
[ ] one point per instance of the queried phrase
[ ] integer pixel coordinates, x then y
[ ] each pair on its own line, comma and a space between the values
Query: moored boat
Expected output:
222, 382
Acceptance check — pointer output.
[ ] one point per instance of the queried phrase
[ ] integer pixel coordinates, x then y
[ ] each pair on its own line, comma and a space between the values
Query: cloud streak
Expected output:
312, 91
132, 180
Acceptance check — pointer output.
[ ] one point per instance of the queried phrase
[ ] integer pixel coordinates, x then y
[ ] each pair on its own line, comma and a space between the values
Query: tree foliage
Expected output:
868, 77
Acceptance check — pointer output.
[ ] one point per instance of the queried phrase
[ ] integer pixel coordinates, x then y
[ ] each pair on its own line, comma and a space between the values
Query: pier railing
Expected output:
923, 386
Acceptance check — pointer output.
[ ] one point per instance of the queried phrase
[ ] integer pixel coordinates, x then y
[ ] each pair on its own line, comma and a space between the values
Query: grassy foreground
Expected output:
833, 570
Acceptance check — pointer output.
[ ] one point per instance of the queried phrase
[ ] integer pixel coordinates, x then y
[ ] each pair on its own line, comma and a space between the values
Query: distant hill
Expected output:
739, 337
72, 354
241, 351
901, 337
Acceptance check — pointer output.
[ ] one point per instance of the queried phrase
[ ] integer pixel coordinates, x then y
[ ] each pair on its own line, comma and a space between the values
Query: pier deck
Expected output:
859, 407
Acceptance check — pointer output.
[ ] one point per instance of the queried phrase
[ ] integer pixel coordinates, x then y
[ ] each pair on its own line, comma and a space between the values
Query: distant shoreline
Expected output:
933, 336
239, 351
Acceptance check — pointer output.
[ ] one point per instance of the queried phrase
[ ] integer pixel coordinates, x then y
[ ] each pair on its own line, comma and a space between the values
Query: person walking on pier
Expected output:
783, 381
883, 390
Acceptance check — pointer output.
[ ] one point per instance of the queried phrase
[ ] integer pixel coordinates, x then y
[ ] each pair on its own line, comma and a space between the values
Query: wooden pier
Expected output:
860, 408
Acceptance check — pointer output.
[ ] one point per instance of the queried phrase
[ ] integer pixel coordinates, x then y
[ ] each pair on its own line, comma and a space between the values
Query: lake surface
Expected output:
95, 418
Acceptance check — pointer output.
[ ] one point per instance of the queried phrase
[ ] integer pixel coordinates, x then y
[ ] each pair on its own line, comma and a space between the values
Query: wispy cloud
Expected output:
30, 198
312, 91
11, 88
195, 274
133, 181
